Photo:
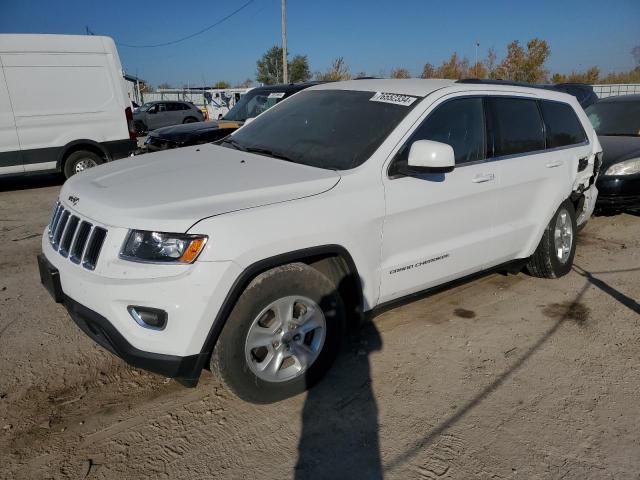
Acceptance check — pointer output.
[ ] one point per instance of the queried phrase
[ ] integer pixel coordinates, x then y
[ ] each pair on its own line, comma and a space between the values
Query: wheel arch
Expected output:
334, 261
76, 145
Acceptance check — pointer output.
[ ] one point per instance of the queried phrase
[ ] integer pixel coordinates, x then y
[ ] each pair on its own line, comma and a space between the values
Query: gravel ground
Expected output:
502, 377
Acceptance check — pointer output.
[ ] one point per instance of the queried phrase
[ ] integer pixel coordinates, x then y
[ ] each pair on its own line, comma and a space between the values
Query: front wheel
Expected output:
80, 161
282, 336
554, 256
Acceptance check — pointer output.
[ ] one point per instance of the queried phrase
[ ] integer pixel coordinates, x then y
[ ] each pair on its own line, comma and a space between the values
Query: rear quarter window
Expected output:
562, 125
516, 125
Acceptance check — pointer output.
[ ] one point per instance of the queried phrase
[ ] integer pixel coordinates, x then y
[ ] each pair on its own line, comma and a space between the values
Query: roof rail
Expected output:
498, 82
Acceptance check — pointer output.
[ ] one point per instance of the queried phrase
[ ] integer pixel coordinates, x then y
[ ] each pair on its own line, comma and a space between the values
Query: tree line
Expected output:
522, 63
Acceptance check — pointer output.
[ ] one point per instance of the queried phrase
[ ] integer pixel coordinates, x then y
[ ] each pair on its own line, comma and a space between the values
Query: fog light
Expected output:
146, 317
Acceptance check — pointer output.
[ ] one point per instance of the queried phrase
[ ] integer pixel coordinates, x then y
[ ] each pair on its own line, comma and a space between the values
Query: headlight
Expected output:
142, 246
628, 167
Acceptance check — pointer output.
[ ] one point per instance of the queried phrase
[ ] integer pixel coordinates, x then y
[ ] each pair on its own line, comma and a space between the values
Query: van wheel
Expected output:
190, 120
554, 256
282, 336
80, 161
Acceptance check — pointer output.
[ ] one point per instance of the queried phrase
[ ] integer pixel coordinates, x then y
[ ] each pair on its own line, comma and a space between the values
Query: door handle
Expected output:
555, 163
487, 177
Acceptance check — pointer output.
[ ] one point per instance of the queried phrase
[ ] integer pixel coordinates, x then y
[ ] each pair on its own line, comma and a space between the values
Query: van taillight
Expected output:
132, 130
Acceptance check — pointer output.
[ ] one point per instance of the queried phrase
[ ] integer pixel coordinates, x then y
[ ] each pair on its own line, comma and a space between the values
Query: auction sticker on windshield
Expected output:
276, 95
395, 98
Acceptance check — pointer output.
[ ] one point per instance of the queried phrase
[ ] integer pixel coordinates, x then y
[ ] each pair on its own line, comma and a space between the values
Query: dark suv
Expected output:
252, 104
154, 115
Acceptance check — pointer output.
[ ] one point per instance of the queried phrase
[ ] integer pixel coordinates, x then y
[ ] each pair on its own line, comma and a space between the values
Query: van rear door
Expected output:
10, 155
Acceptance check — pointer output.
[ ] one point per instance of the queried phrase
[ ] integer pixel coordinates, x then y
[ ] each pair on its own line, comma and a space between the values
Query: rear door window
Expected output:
562, 124
516, 126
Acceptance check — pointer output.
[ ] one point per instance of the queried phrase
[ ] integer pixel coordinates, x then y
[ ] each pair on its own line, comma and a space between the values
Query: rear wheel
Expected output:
79, 161
190, 120
554, 256
282, 336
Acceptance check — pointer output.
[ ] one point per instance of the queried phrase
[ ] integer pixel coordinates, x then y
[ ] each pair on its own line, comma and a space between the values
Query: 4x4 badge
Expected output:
74, 200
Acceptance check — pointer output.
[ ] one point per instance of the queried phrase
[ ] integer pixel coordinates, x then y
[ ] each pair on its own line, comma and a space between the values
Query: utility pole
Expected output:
477, 45
285, 73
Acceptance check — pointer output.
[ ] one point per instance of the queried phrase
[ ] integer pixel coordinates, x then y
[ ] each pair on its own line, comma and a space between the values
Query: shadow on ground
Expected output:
11, 183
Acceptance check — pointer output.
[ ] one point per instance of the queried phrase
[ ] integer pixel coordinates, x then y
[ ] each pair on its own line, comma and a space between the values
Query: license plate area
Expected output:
50, 278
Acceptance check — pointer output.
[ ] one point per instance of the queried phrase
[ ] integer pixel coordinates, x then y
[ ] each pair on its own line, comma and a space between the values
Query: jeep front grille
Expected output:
75, 238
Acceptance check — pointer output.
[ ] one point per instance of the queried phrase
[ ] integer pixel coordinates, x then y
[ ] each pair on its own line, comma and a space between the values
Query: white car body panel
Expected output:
59, 89
254, 208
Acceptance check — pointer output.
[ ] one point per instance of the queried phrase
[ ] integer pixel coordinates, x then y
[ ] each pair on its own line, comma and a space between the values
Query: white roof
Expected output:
417, 87
18, 43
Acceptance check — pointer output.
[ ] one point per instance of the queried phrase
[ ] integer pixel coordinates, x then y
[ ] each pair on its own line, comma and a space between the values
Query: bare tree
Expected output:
336, 72
400, 73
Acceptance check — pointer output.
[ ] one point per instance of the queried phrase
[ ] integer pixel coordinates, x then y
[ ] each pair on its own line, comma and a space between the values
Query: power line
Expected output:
199, 32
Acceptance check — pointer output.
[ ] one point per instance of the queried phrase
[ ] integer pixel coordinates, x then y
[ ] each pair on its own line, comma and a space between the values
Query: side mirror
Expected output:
427, 156
153, 110
249, 120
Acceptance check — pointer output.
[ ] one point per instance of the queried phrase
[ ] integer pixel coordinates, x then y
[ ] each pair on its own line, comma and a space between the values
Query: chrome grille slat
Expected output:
80, 242
69, 234
93, 248
62, 223
74, 238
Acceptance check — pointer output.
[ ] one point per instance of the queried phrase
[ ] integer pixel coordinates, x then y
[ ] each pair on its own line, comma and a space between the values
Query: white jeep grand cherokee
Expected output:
252, 256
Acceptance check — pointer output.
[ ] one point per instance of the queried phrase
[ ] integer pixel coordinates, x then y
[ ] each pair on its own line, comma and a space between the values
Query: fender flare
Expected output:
69, 146
249, 273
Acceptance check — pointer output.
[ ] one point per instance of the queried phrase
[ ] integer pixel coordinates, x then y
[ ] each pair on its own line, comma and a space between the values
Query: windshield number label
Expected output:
394, 98
276, 95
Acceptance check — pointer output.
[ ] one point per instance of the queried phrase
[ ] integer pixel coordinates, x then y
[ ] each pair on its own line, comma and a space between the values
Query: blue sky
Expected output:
373, 36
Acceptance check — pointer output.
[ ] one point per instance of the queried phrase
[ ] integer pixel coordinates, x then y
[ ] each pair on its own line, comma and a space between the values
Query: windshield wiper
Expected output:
619, 134
268, 153
234, 143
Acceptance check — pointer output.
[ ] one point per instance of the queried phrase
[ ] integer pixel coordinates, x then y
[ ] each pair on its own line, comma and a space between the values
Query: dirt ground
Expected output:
502, 377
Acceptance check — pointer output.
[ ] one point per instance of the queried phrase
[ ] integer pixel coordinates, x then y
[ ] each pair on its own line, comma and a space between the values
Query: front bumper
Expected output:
619, 191
98, 304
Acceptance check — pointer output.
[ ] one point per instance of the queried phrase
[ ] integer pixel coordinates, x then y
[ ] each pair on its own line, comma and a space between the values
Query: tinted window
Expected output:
459, 123
334, 129
517, 126
615, 118
563, 127
162, 107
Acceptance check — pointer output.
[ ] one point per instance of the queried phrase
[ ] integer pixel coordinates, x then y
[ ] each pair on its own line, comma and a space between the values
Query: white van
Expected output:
63, 104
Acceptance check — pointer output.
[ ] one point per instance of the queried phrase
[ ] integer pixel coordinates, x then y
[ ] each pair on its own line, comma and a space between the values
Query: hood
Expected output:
172, 190
189, 131
617, 149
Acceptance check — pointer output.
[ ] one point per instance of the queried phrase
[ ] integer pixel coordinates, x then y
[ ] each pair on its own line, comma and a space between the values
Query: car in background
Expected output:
584, 93
616, 120
250, 105
159, 114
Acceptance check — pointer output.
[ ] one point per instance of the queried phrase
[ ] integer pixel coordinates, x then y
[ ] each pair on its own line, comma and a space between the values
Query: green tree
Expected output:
270, 71
270, 66
400, 73
336, 72
222, 84
299, 69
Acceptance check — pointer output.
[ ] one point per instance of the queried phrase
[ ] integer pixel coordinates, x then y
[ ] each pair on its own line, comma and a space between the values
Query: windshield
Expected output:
333, 129
145, 107
615, 118
252, 104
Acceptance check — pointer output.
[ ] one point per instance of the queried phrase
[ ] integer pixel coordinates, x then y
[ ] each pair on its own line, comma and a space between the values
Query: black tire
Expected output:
545, 262
79, 161
190, 120
140, 127
229, 362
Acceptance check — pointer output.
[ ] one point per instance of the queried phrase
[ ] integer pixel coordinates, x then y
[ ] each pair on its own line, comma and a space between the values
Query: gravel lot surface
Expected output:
502, 377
